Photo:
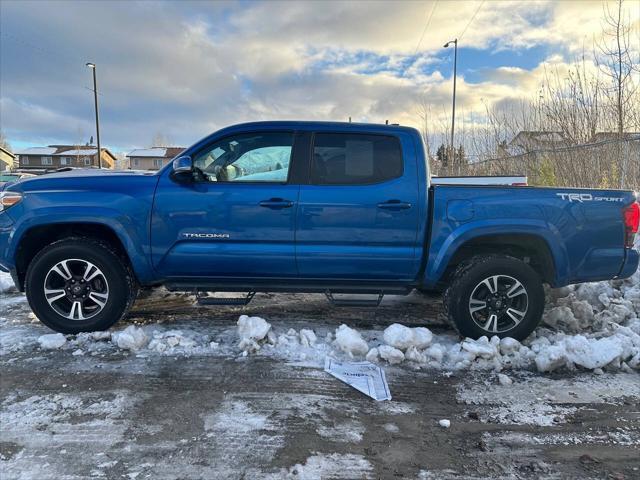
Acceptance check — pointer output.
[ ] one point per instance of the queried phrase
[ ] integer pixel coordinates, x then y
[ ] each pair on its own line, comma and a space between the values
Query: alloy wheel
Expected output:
76, 289
498, 303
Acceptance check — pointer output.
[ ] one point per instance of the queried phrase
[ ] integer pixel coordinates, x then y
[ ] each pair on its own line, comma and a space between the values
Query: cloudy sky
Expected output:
185, 69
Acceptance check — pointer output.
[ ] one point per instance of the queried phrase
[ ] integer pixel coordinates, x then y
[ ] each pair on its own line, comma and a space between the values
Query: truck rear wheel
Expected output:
495, 295
79, 285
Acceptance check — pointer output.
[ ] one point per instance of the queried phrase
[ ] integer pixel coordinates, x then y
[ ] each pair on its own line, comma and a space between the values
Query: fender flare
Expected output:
123, 227
438, 260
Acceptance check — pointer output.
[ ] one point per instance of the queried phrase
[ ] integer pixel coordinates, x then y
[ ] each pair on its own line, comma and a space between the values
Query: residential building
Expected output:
529, 141
6, 159
52, 157
152, 158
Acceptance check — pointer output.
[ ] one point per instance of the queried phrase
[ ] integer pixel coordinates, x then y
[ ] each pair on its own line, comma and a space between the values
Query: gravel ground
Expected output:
113, 413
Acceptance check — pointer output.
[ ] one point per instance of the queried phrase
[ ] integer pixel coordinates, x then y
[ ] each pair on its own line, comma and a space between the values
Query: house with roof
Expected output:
6, 159
44, 159
529, 141
152, 158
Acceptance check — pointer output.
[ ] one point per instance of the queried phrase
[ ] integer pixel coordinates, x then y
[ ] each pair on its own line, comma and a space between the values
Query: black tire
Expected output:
121, 287
469, 279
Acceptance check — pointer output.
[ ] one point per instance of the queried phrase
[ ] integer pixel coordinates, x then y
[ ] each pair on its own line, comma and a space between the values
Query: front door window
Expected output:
259, 157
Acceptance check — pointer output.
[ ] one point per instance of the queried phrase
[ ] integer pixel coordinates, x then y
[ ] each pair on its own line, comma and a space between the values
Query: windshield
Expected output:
8, 178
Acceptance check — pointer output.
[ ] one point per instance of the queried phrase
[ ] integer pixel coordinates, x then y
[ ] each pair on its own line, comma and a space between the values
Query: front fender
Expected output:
444, 247
130, 229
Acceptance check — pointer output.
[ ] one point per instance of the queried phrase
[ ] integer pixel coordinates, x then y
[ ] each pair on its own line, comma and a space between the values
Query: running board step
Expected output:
353, 302
206, 300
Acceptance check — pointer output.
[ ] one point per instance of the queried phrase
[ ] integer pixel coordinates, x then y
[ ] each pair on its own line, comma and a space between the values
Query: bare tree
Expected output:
618, 61
160, 140
570, 103
4, 143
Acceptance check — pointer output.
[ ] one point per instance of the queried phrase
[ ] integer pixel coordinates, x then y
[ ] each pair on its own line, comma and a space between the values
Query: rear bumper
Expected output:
630, 265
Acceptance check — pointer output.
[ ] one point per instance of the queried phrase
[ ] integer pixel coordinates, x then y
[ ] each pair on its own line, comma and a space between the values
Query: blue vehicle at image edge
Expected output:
336, 208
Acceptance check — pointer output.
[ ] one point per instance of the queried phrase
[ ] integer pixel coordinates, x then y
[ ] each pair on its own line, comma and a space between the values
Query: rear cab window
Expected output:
355, 159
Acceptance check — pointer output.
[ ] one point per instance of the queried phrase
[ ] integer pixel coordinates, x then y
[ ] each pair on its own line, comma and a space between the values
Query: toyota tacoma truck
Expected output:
335, 208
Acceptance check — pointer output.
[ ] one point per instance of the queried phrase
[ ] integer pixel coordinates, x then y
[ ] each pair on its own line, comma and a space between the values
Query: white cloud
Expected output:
188, 68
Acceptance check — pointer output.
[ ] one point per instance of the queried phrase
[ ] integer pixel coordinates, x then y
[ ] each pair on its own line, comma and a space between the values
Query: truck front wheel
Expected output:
79, 285
495, 295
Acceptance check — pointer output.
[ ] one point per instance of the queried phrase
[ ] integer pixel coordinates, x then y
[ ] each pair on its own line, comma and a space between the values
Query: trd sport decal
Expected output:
587, 197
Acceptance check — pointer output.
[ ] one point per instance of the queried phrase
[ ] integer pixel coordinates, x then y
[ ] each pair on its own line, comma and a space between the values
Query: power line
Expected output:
47, 53
472, 18
433, 9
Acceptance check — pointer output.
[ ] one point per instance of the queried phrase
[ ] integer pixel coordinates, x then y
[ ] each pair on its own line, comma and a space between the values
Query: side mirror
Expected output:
182, 165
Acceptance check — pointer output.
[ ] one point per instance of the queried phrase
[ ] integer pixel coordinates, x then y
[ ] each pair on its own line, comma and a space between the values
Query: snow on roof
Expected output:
148, 152
75, 152
37, 151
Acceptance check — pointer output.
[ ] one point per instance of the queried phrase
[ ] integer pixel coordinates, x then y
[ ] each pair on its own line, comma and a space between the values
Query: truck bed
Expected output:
583, 229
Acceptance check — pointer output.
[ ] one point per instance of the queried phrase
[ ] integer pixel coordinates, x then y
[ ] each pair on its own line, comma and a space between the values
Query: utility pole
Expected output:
453, 113
92, 66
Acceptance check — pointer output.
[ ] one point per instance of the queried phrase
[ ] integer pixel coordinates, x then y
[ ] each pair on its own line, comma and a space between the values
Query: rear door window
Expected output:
355, 159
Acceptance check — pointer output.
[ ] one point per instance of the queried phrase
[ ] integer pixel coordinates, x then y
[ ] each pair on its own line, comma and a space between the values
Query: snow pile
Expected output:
594, 306
252, 331
350, 341
308, 337
6, 283
403, 338
391, 354
131, 338
548, 352
52, 341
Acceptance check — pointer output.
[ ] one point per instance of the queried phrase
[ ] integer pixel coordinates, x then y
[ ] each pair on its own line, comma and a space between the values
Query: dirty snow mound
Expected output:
403, 337
350, 341
391, 354
308, 337
52, 341
252, 330
131, 338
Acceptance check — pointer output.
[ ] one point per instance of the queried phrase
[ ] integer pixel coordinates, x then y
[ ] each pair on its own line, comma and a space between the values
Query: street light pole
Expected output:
92, 66
453, 113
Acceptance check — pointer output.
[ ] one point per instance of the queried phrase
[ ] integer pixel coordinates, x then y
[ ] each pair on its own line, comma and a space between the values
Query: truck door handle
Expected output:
276, 203
394, 205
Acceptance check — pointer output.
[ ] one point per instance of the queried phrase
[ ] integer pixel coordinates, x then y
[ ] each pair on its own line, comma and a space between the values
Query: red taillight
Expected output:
631, 223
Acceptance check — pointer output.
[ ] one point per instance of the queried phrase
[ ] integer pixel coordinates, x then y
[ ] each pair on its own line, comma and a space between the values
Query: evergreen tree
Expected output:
461, 156
442, 156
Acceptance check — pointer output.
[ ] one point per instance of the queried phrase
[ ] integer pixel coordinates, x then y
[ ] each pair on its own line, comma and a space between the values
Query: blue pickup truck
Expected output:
336, 208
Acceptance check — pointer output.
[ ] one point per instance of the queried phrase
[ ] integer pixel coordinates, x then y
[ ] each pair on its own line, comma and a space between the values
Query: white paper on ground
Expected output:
363, 376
